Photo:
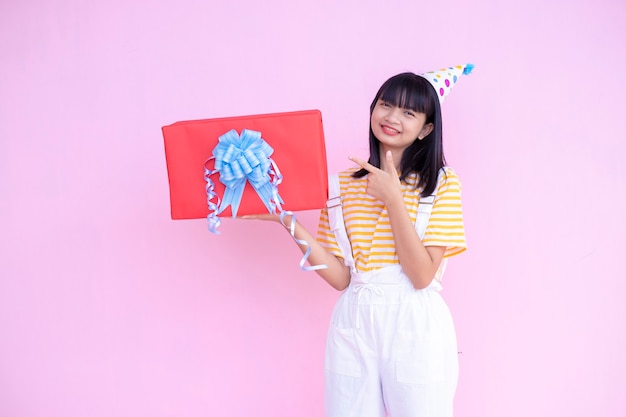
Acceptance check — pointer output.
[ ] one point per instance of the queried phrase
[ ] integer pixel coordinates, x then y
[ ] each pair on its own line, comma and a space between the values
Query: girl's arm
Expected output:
419, 262
337, 274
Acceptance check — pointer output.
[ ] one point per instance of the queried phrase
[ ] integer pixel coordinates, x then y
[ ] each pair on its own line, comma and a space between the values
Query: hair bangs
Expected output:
409, 92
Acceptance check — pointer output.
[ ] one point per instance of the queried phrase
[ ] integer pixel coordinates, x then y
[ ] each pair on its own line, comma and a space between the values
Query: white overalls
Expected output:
391, 349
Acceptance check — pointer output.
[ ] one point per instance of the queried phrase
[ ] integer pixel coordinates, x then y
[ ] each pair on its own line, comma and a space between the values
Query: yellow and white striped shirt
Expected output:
369, 229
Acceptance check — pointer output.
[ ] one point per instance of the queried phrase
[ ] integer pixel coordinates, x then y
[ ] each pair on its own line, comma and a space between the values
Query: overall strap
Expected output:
335, 220
424, 210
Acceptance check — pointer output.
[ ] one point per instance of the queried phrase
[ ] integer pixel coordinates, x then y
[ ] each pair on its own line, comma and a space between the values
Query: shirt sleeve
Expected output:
445, 227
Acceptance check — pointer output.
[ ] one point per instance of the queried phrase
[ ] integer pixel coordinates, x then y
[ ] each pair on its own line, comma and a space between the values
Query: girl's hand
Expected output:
270, 217
265, 216
382, 184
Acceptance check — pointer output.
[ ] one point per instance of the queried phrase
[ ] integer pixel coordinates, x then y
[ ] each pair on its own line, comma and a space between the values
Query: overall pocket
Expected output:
419, 358
342, 353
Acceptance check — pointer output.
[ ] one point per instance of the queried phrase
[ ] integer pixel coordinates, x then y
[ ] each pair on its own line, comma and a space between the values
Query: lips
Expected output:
389, 130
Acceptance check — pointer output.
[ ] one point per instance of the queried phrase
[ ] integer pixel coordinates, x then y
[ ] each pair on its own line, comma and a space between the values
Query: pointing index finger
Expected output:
363, 164
390, 166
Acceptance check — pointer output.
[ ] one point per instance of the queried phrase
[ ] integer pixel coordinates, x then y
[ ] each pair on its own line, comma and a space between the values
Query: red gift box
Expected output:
299, 152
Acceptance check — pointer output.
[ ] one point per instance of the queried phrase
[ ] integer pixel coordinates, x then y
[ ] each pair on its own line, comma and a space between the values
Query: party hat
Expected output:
444, 79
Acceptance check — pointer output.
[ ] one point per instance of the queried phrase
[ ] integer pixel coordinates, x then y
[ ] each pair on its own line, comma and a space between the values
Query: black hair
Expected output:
424, 157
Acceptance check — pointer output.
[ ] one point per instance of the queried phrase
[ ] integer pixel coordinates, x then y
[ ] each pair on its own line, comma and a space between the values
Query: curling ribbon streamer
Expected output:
292, 231
213, 220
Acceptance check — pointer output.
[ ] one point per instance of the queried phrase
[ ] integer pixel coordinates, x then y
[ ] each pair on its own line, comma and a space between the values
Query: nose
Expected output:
393, 114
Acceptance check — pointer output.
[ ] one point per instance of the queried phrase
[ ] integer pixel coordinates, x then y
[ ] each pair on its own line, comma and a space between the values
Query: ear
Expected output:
426, 131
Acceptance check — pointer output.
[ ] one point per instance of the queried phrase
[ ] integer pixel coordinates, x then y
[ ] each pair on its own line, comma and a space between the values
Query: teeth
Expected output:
390, 129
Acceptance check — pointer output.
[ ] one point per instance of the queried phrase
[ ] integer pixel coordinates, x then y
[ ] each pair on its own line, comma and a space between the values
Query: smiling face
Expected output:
397, 127
405, 118
402, 112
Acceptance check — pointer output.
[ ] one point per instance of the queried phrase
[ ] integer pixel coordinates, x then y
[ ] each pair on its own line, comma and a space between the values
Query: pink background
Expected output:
109, 308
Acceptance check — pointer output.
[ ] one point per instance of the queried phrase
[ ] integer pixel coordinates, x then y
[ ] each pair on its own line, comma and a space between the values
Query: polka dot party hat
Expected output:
444, 79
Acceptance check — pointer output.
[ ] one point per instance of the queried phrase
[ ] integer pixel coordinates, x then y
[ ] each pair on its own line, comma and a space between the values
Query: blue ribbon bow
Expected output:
240, 159
246, 158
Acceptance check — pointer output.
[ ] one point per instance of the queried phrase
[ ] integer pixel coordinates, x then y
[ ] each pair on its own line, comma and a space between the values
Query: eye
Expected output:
409, 113
385, 104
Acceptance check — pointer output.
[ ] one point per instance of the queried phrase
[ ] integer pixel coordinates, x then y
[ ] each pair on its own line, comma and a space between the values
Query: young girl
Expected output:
391, 346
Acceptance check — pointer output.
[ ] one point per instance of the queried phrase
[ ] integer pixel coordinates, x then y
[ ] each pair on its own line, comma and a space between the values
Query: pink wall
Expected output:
109, 308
